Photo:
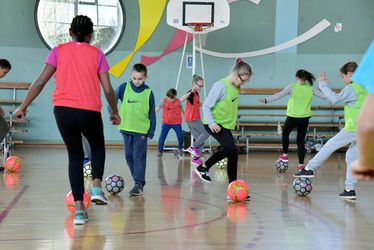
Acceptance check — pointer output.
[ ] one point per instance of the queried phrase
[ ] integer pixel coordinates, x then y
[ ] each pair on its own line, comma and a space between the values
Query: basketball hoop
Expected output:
199, 27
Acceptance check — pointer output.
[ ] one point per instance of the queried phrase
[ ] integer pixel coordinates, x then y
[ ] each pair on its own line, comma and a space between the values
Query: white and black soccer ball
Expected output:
114, 184
281, 166
302, 186
87, 169
222, 163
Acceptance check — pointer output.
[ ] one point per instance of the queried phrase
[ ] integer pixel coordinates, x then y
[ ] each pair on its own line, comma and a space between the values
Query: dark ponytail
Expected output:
306, 76
81, 26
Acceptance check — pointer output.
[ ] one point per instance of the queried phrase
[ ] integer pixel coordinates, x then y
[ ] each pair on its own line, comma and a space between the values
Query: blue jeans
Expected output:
136, 155
164, 133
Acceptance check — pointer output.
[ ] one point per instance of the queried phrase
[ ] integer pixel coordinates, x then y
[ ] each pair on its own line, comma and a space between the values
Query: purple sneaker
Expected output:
194, 152
197, 162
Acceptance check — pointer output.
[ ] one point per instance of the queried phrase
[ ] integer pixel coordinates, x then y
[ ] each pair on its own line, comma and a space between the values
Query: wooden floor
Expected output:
177, 211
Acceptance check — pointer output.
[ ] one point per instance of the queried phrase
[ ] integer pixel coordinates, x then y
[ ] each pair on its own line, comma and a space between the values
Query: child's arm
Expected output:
184, 97
152, 116
346, 95
217, 93
317, 92
364, 168
110, 97
159, 106
276, 96
35, 89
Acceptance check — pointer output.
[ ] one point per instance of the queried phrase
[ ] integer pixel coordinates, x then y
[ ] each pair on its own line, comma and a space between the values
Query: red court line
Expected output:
11, 205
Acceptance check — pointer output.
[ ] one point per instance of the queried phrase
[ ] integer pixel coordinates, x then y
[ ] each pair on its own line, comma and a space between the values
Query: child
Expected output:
138, 122
172, 111
364, 168
299, 111
353, 95
221, 111
193, 120
5, 67
79, 68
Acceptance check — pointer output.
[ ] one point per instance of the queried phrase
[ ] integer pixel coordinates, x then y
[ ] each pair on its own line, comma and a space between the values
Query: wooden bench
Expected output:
9, 104
262, 128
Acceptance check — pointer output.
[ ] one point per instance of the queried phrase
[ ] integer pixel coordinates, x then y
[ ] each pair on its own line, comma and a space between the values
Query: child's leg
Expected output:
164, 133
339, 140
351, 156
288, 126
69, 127
140, 156
300, 138
178, 131
86, 148
128, 141
199, 133
228, 149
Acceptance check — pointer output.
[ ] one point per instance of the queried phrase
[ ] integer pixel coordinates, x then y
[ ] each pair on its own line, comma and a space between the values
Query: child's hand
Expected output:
19, 114
322, 77
263, 100
361, 172
114, 117
215, 128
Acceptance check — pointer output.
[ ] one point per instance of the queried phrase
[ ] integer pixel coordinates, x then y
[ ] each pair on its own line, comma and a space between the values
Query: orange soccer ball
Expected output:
238, 190
12, 164
70, 204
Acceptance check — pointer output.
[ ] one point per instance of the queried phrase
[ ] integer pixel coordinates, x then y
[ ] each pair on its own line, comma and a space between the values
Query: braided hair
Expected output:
81, 26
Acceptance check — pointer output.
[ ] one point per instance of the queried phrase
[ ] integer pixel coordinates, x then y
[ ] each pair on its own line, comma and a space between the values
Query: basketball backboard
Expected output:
214, 14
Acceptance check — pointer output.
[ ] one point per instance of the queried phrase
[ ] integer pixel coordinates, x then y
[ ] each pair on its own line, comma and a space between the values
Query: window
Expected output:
53, 18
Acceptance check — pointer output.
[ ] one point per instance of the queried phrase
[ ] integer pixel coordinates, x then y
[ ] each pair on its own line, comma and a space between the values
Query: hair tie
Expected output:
239, 61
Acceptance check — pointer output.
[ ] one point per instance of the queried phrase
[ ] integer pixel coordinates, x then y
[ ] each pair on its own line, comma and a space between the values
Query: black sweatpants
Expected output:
302, 125
71, 123
228, 149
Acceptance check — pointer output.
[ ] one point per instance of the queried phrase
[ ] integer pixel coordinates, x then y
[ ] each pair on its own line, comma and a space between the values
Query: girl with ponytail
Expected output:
193, 119
299, 111
220, 115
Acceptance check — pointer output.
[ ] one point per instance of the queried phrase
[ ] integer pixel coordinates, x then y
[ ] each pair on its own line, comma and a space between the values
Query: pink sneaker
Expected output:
197, 162
194, 152
283, 158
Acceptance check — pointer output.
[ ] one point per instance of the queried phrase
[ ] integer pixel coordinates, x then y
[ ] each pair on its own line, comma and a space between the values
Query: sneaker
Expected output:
304, 173
300, 167
203, 173
283, 158
194, 152
180, 153
159, 154
197, 162
349, 195
246, 199
136, 190
2, 169
98, 197
80, 217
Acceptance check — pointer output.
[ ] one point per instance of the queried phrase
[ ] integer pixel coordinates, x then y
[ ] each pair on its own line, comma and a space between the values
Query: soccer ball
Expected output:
87, 169
221, 175
12, 164
114, 184
70, 203
222, 163
281, 166
238, 190
302, 186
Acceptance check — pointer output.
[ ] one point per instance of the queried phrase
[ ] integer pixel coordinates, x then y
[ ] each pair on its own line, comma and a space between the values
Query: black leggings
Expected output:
71, 123
302, 126
228, 149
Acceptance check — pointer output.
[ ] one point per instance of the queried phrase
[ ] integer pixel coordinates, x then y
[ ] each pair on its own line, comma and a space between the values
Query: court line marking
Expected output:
12, 204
